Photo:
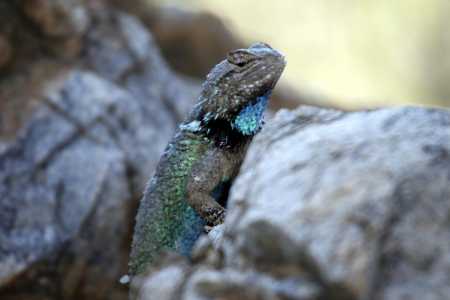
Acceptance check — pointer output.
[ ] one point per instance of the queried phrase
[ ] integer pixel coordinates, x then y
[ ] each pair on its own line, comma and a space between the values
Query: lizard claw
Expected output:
215, 215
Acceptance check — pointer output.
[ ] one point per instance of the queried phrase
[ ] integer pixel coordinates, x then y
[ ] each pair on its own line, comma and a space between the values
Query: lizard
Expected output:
194, 174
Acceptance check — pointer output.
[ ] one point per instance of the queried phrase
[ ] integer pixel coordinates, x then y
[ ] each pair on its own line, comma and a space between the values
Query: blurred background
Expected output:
358, 53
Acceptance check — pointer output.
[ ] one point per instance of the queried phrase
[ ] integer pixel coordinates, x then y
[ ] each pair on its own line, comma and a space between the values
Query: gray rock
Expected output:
230, 284
165, 284
365, 194
121, 50
334, 205
64, 180
71, 178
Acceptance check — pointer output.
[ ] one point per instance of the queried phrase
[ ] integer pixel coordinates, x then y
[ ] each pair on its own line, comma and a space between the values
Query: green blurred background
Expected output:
358, 52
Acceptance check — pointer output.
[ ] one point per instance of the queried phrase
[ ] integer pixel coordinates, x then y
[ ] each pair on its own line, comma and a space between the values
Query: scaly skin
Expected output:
168, 224
205, 154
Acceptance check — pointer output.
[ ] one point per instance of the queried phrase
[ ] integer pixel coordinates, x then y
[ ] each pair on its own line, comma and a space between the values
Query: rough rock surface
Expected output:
85, 140
331, 205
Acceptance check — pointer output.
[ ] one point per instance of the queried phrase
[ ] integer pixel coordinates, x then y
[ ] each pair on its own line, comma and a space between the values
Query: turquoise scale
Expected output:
250, 118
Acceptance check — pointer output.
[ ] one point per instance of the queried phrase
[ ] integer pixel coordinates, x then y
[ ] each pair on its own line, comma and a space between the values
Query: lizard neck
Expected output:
224, 136
230, 134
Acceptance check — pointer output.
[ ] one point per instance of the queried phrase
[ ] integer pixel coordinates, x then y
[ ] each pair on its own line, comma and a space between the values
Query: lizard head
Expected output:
235, 93
252, 72
238, 81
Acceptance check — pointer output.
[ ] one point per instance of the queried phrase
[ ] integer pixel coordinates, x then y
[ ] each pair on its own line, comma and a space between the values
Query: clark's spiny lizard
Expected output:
197, 167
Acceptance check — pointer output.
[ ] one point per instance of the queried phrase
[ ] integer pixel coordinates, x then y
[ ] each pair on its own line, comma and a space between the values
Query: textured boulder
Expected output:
84, 141
365, 193
333, 205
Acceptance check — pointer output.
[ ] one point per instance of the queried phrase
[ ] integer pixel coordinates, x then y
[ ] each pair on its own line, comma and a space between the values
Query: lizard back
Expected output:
175, 225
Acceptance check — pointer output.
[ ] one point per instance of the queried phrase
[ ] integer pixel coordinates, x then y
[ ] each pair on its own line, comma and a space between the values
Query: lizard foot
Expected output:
215, 215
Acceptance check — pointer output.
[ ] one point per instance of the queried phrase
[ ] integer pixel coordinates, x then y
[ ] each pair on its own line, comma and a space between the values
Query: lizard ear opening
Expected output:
240, 57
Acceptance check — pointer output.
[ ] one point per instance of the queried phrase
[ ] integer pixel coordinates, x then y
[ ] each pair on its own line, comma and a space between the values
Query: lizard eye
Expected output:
240, 57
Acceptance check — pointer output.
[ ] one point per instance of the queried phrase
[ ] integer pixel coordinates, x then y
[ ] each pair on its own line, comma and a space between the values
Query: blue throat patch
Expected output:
250, 118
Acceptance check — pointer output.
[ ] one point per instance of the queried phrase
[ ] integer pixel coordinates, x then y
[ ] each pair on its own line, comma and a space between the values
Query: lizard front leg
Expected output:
205, 177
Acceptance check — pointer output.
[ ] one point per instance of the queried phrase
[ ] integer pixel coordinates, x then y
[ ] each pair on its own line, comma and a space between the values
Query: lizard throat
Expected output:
231, 133
250, 119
